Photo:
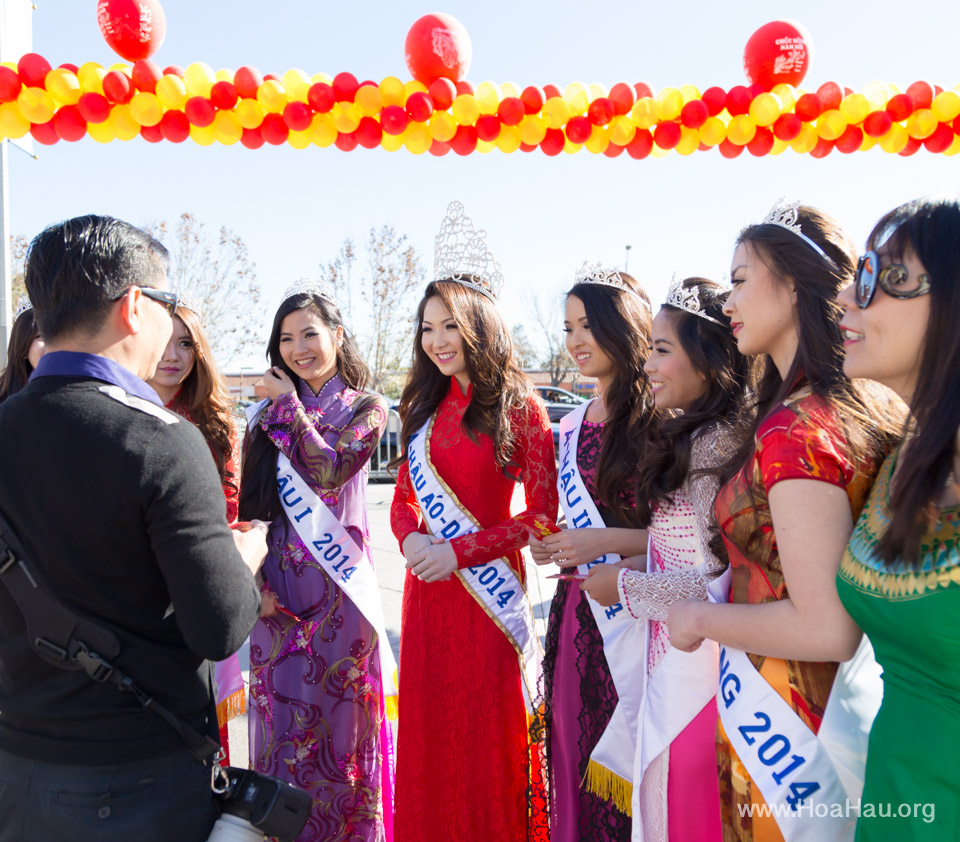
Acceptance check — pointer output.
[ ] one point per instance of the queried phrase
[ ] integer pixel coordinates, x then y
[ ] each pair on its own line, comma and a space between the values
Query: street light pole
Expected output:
626, 260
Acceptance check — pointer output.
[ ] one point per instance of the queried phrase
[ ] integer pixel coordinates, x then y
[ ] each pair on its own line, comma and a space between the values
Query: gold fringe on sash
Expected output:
231, 707
392, 707
606, 785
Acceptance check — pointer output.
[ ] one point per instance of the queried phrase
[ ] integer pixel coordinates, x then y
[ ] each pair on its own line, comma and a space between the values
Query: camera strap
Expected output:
71, 642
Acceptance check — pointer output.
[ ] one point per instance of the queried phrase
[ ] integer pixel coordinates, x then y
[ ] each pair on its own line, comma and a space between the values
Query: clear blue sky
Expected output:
544, 215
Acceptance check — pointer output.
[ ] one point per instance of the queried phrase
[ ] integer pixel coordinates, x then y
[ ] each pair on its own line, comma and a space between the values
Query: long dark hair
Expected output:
930, 228
258, 486
499, 385
18, 370
203, 396
713, 352
621, 323
869, 423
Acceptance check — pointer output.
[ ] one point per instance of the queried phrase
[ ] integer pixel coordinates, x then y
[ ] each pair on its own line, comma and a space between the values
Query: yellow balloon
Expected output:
532, 130
831, 124
416, 137
921, 124
412, 87
894, 140
670, 101
787, 95
806, 140
227, 128
622, 130
100, 132
224, 75
577, 97
369, 100
199, 78
945, 106
327, 79
443, 127
689, 93
867, 143
64, 85
272, 96
250, 113
713, 131
323, 132
391, 142
465, 109
485, 146
855, 108
121, 67
876, 94
146, 109
597, 90
91, 76
36, 105
392, 91
296, 83
346, 117
570, 147
509, 89
645, 113
202, 135
778, 146
598, 141
299, 140
741, 130
954, 147
556, 112
171, 92
765, 109
689, 141
488, 97
657, 152
122, 123
509, 139
12, 123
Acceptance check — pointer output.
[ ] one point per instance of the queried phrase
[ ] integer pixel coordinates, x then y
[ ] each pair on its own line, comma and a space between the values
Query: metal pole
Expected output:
626, 260
6, 291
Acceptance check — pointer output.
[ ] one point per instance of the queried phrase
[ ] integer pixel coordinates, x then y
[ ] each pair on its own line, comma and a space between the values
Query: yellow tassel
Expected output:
231, 707
392, 705
605, 784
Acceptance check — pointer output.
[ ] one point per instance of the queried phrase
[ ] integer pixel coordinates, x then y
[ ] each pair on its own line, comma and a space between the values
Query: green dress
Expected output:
912, 617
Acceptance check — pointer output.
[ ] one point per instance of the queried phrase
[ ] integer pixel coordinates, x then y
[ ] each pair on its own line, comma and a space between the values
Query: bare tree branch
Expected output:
555, 358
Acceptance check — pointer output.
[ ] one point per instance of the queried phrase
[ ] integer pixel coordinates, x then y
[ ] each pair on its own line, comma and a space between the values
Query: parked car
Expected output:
559, 402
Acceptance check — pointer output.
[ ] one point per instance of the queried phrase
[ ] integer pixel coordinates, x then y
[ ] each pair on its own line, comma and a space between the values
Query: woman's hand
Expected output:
681, 625
277, 382
268, 604
601, 584
573, 547
437, 562
538, 550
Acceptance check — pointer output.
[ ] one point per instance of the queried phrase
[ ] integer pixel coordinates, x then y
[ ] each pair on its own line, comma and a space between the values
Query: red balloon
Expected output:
550, 91
465, 87
640, 146
601, 111
251, 138
738, 100
851, 140
877, 123
46, 134
439, 148
940, 140
345, 87
778, 52
762, 142
667, 135
899, 107
729, 150
247, 80
913, 144
173, 70
224, 95
272, 76
579, 129
393, 119
921, 93
511, 111
694, 114
175, 126
321, 97
554, 142
533, 99
33, 70
623, 98
200, 111
297, 116
528, 147
73, 68
465, 140
274, 130
488, 127
642, 89
134, 29
956, 126
347, 141
443, 92
94, 107
69, 123
419, 107
715, 99
117, 87
151, 134
808, 107
369, 133
831, 95
146, 74
787, 127
438, 46
822, 149
613, 151
10, 85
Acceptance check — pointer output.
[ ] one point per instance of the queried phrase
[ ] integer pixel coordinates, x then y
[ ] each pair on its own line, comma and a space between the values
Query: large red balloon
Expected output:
438, 46
779, 52
134, 29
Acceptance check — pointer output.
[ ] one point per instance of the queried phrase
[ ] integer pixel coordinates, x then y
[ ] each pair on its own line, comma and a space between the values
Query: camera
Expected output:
254, 806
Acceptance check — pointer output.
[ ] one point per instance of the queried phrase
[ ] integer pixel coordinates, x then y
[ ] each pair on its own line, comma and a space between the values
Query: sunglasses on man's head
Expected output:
162, 296
894, 278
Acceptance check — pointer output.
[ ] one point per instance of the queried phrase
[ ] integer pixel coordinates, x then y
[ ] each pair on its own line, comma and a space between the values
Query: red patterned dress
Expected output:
801, 439
463, 756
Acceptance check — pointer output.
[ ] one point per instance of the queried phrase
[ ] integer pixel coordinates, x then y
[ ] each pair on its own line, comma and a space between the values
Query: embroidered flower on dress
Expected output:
303, 747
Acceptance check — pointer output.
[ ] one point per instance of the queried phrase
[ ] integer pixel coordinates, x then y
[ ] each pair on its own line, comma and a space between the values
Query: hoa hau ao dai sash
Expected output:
495, 584
610, 771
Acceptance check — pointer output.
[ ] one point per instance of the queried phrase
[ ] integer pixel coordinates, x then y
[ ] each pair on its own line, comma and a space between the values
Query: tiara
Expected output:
305, 286
190, 302
23, 304
460, 254
594, 273
788, 216
687, 300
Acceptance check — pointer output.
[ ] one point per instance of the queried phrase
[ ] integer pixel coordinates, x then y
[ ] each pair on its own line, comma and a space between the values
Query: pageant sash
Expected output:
785, 759
610, 770
494, 585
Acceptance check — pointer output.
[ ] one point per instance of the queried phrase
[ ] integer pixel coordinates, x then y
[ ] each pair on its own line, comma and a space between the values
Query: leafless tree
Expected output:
526, 351
554, 355
18, 259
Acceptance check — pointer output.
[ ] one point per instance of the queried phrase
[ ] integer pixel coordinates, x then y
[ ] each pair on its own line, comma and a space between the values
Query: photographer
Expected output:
119, 509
